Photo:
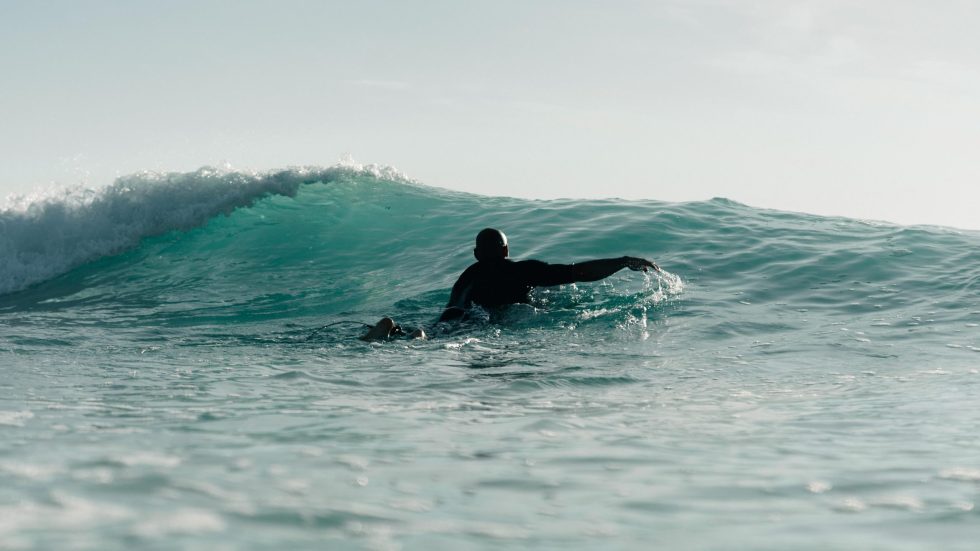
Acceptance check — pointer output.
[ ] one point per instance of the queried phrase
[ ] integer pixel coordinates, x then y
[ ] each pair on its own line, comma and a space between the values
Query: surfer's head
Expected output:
491, 244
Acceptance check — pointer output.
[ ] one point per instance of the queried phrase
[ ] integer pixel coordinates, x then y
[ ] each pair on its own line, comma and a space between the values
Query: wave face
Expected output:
179, 353
229, 247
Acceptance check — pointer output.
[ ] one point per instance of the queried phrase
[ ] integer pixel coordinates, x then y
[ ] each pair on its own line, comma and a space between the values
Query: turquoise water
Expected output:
168, 379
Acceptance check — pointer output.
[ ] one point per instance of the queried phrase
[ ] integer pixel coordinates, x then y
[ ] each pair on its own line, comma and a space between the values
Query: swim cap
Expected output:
490, 243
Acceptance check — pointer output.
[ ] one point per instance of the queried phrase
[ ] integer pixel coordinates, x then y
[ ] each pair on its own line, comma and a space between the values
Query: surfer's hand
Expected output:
637, 264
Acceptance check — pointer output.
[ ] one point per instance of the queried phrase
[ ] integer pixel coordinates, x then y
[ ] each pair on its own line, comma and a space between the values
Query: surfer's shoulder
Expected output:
530, 262
530, 266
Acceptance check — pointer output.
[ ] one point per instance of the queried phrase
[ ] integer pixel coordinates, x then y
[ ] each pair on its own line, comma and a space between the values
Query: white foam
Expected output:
15, 418
961, 473
148, 459
180, 522
31, 471
818, 487
47, 234
65, 512
910, 503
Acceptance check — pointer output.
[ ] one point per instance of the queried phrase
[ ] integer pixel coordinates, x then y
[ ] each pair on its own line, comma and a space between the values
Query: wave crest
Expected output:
42, 236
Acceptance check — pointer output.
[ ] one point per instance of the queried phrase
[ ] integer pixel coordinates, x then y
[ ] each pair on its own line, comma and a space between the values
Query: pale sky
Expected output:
869, 108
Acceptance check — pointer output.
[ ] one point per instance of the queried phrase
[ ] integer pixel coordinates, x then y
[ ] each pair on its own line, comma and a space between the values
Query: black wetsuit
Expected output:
500, 281
492, 283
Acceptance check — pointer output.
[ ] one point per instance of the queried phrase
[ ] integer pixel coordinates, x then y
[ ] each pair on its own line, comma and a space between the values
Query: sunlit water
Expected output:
169, 380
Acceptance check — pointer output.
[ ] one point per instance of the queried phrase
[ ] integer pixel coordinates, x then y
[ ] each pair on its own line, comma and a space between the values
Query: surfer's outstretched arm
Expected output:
594, 270
590, 270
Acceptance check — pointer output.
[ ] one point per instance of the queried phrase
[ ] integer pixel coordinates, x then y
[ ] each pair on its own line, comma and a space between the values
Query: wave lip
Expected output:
44, 236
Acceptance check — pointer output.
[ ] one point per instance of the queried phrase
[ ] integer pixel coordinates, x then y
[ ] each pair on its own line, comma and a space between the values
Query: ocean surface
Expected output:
180, 369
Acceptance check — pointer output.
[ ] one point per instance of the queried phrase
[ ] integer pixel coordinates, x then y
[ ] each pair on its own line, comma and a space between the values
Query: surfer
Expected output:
494, 280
